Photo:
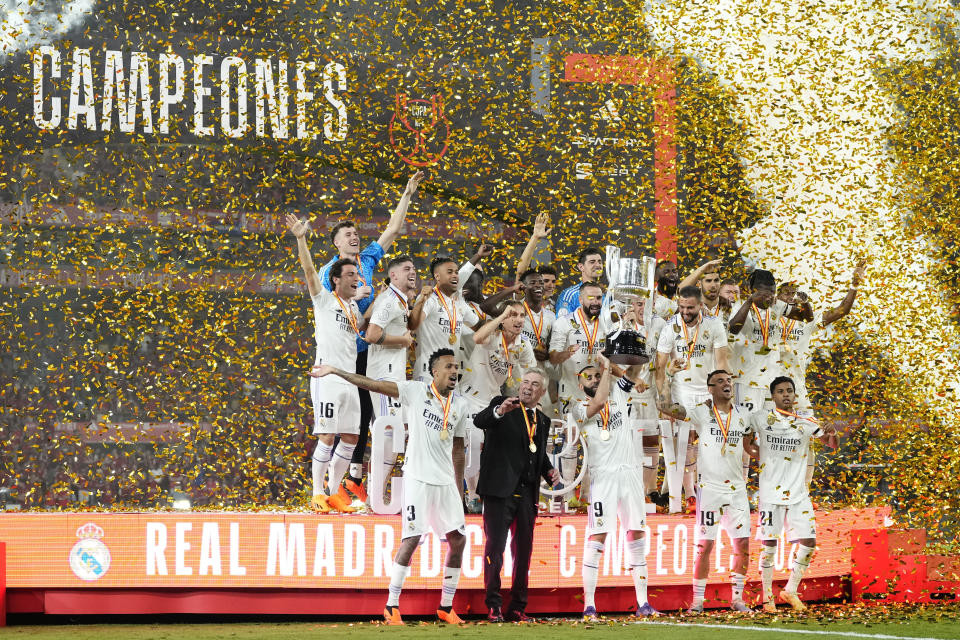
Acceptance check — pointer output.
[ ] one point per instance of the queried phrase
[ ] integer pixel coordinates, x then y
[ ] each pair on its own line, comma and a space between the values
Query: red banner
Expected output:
266, 550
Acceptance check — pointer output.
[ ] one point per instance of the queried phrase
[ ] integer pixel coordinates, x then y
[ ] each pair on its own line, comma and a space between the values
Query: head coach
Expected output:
511, 465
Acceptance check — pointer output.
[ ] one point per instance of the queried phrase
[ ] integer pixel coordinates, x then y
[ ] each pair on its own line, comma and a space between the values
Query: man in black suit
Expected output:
513, 461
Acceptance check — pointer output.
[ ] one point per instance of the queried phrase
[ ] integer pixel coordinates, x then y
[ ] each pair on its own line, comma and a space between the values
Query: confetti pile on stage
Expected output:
155, 336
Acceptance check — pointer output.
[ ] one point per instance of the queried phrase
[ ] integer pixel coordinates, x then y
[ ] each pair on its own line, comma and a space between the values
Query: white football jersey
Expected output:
391, 313
490, 367
662, 306
335, 322
795, 344
753, 367
437, 324
719, 455
538, 326
618, 451
697, 345
428, 458
784, 446
590, 337
651, 335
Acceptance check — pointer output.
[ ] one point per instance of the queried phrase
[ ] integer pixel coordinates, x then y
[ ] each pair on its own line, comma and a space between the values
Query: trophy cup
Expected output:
629, 278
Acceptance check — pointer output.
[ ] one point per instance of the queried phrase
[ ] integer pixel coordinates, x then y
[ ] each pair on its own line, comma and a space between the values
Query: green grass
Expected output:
906, 622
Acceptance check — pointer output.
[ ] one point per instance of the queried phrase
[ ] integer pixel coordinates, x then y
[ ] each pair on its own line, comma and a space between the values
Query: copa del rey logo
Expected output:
419, 130
90, 557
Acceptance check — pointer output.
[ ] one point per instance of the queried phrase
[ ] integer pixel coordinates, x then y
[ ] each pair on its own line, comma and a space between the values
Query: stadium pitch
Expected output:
827, 622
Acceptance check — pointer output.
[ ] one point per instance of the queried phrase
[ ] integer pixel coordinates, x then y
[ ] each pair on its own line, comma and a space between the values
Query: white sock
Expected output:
356, 470
638, 565
650, 472
592, 551
767, 557
800, 563
398, 574
341, 460
451, 577
737, 580
318, 466
389, 460
699, 589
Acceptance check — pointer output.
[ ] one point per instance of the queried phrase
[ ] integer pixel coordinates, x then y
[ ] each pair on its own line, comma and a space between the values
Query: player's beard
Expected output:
590, 391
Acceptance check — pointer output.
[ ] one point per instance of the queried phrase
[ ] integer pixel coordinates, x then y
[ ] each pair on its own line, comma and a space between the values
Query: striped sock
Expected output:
397, 576
451, 576
737, 580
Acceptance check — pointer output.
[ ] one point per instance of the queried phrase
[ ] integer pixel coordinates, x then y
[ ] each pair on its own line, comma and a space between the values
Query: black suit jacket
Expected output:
506, 451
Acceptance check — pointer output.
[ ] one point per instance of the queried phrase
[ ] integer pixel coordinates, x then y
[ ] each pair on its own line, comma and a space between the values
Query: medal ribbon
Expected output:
506, 355
793, 415
403, 303
591, 338
476, 309
605, 416
349, 313
787, 328
686, 336
531, 429
764, 326
537, 328
444, 405
451, 316
725, 428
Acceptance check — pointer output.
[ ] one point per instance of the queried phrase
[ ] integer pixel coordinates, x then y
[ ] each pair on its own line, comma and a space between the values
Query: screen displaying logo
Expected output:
90, 557
419, 130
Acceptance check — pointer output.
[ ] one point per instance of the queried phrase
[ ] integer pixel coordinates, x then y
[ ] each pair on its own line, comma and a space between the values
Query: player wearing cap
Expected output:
432, 472
783, 438
721, 428
616, 480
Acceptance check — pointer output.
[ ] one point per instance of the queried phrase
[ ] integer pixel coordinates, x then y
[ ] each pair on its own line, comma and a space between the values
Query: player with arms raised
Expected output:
616, 480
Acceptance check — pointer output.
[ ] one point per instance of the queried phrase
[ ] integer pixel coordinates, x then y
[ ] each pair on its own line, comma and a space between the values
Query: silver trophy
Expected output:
629, 278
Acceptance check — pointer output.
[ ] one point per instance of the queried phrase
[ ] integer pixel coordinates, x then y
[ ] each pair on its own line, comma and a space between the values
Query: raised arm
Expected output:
600, 398
299, 229
484, 333
384, 387
539, 233
830, 437
416, 314
393, 227
836, 313
740, 316
489, 306
695, 275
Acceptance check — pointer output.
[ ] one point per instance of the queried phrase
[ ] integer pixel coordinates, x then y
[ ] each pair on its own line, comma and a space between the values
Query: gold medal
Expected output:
452, 339
445, 407
762, 351
604, 435
533, 448
444, 434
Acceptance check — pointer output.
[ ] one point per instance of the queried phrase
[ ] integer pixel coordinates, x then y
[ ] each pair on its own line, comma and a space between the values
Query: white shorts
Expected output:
798, 517
431, 506
385, 406
731, 511
336, 407
644, 414
753, 398
614, 493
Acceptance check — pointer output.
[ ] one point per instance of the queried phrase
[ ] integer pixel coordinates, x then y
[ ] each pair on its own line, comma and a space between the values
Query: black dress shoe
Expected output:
517, 616
494, 615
